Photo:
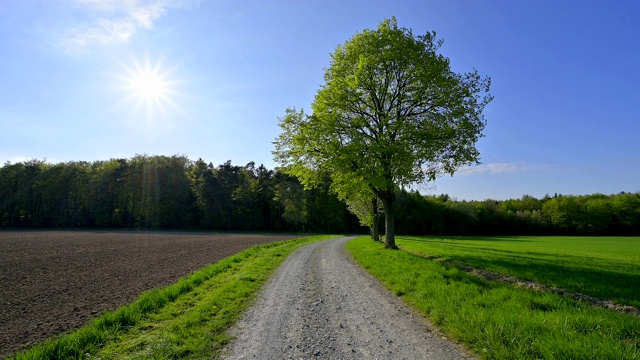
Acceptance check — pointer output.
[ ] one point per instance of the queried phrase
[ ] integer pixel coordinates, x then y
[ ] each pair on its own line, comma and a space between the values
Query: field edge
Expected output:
113, 326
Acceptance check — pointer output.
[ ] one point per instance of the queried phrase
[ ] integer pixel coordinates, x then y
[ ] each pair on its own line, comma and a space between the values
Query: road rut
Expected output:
320, 304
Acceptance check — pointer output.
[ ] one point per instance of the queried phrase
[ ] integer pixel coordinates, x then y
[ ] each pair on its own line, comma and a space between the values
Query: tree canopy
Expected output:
391, 113
160, 192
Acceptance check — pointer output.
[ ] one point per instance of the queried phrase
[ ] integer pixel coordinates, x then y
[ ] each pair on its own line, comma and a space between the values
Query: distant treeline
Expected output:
558, 215
161, 192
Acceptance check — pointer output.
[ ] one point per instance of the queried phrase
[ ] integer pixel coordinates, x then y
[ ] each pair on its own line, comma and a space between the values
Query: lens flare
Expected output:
149, 86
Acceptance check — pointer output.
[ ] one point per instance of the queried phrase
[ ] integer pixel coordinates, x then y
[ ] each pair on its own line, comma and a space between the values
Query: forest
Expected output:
173, 192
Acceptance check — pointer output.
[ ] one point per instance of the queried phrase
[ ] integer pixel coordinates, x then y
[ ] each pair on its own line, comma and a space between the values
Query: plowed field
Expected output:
55, 281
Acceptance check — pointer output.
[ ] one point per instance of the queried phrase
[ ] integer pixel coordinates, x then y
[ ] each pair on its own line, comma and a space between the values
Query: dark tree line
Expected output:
164, 192
558, 215
161, 192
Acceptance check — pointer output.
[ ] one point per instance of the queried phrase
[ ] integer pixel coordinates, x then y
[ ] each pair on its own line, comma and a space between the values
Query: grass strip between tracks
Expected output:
188, 319
498, 321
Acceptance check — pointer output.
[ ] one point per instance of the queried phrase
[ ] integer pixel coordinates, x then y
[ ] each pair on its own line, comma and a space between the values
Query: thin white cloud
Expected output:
103, 31
145, 16
113, 21
493, 168
101, 5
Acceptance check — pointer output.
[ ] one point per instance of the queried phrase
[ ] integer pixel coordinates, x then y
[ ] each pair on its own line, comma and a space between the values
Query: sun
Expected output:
149, 86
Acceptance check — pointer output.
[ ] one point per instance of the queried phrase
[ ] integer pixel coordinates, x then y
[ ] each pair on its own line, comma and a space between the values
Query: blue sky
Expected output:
565, 76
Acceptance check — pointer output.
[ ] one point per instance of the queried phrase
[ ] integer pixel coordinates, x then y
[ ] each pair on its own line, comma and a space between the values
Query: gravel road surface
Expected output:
321, 305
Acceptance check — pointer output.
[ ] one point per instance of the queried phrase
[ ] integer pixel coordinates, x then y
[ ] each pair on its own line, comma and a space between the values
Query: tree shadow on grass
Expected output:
423, 239
621, 287
587, 275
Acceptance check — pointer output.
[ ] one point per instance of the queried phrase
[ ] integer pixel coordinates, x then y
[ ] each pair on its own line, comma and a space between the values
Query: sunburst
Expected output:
149, 86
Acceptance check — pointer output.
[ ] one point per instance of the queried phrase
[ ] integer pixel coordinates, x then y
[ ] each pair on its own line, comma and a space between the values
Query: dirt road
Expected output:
321, 305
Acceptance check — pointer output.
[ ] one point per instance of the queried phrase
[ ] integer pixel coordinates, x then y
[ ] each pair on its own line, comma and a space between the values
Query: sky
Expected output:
100, 79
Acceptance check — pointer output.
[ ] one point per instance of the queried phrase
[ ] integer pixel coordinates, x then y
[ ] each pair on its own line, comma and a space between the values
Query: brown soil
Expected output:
54, 281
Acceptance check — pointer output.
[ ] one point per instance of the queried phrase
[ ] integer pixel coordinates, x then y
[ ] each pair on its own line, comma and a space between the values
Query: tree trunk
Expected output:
374, 215
229, 216
390, 237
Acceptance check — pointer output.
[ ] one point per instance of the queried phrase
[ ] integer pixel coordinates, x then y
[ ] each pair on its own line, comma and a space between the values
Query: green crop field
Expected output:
603, 267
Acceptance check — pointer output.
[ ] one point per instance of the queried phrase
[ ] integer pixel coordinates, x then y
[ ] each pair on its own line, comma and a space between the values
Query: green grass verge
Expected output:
185, 320
603, 267
497, 321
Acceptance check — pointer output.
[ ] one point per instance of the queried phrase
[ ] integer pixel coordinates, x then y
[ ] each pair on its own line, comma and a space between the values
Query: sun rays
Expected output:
150, 87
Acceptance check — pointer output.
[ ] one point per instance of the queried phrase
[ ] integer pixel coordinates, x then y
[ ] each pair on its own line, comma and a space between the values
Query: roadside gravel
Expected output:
320, 304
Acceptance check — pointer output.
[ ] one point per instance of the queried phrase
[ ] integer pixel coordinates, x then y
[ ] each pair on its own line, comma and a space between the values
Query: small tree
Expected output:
365, 207
391, 114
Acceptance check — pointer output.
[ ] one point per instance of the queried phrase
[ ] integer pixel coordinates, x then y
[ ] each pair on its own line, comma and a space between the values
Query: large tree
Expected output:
391, 113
